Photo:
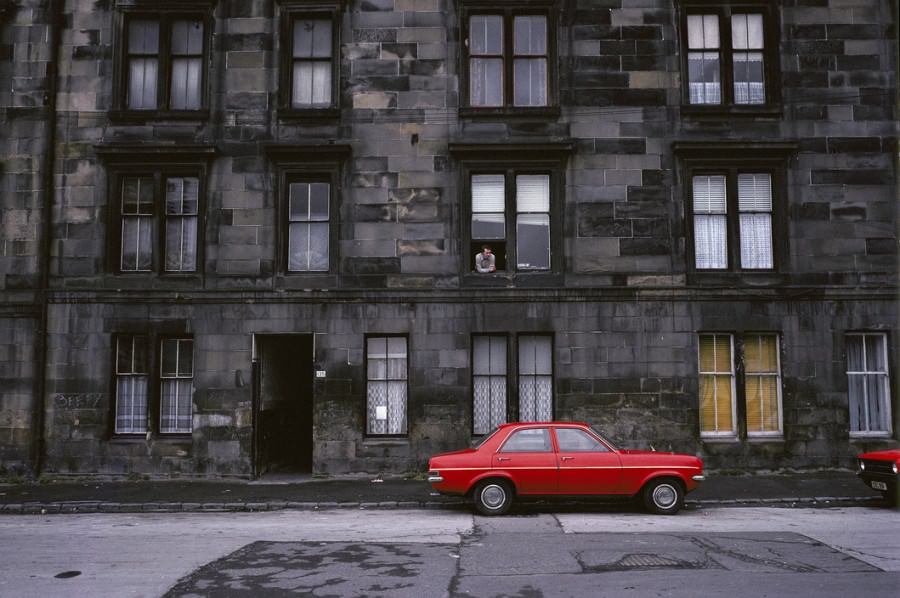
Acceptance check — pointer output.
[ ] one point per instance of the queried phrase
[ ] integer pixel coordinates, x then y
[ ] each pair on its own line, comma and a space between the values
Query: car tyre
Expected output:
663, 497
493, 497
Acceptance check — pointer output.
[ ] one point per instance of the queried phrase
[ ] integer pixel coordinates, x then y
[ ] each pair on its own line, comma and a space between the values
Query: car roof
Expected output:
538, 424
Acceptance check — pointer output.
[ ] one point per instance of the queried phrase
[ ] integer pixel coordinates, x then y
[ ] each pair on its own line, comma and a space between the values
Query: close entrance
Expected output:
283, 404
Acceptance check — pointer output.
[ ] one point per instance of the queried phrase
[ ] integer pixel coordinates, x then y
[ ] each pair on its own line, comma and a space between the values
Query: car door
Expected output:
586, 465
527, 455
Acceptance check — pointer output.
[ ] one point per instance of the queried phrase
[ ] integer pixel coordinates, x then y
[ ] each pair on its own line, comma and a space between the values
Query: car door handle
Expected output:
504, 459
566, 458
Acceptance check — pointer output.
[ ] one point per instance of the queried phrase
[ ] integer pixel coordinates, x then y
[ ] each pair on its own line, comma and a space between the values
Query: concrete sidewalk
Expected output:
809, 488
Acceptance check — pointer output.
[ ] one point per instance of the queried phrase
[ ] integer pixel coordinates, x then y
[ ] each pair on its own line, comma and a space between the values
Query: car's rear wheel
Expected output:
664, 497
493, 497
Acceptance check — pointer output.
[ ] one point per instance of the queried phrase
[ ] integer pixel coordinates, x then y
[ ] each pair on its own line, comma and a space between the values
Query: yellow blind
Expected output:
761, 382
716, 395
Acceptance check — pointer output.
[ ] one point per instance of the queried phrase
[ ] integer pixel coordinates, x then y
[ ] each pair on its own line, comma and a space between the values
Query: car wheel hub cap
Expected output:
493, 496
664, 496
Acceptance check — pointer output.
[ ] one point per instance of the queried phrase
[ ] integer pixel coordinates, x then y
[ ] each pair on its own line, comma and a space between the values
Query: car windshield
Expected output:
614, 446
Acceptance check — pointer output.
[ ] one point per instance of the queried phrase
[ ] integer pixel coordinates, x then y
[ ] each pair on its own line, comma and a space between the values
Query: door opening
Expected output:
283, 409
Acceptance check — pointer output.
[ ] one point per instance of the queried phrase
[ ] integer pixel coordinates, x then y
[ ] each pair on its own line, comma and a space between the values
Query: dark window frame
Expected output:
507, 376
509, 10
771, 57
154, 344
512, 160
291, 11
165, 13
159, 162
388, 436
308, 163
517, 374
732, 159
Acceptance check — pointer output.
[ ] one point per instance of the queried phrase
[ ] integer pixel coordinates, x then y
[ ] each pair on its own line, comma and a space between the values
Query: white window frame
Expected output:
489, 382
884, 382
387, 385
778, 385
719, 434
535, 373
176, 388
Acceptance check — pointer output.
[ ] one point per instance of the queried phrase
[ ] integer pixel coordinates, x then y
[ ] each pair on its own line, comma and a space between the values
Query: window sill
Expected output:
507, 112
720, 439
309, 114
509, 279
867, 436
739, 111
386, 440
185, 439
141, 116
746, 278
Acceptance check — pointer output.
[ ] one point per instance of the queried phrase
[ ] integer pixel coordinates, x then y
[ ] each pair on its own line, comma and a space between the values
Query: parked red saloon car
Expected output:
561, 459
878, 470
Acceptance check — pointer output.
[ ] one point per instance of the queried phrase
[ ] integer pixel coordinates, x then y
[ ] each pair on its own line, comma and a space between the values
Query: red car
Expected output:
561, 459
879, 471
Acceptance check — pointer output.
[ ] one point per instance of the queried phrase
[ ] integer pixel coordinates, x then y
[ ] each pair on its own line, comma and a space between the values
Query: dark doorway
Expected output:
283, 409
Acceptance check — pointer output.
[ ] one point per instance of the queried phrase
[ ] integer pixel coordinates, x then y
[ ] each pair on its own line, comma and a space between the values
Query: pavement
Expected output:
817, 488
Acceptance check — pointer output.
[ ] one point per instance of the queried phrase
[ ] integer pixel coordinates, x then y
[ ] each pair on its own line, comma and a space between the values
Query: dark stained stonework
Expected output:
622, 303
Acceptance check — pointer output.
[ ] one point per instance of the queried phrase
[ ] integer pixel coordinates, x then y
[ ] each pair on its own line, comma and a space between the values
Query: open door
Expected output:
283, 406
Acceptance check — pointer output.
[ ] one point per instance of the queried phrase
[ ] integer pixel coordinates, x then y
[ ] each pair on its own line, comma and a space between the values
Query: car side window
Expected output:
531, 440
572, 440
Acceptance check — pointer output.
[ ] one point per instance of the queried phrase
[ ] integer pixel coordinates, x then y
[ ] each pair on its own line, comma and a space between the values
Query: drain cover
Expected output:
647, 560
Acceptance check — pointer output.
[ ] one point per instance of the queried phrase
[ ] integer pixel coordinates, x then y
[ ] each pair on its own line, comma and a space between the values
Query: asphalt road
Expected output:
841, 551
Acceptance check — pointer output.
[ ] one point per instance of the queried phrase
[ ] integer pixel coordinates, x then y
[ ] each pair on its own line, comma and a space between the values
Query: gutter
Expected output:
48, 163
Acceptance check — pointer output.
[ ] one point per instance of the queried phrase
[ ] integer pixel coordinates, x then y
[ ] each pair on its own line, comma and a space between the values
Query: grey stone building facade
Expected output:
239, 236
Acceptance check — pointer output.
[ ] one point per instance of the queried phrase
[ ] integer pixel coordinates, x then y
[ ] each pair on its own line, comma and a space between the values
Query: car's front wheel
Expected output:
493, 497
663, 497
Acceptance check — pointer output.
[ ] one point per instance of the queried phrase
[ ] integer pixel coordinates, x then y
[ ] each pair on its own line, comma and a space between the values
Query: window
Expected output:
488, 383
164, 62
386, 385
757, 382
717, 392
308, 194
158, 222
752, 226
529, 440
868, 384
311, 58
509, 58
730, 55
535, 378
762, 384
163, 404
523, 237
572, 440
308, 226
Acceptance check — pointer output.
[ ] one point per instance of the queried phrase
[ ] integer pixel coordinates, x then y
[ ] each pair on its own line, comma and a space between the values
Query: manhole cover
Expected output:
67, 574
647, 560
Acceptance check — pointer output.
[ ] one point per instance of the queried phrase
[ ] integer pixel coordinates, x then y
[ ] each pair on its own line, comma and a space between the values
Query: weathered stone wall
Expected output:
624, 311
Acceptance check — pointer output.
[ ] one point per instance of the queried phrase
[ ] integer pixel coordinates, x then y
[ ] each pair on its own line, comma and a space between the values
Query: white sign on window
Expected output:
381, 412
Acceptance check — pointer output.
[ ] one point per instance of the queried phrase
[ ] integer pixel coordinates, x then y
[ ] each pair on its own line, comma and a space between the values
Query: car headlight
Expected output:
862, 466
894, 467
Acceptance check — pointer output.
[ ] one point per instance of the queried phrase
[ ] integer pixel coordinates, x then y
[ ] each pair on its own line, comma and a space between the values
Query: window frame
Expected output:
520, 375
508, 11
404, 433
779, 388
154, 347
307, 163
739, 378
886, 383
491, 424
165, 13
160, 162
291, 11
511, 160
724, 9
732, 159
717, 434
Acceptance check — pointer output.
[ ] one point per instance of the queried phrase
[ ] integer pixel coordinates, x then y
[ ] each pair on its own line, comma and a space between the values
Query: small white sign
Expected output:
320, 373
381, 412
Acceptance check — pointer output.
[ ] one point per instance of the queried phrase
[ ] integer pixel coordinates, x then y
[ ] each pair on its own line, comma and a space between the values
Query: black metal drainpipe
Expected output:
48, 164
